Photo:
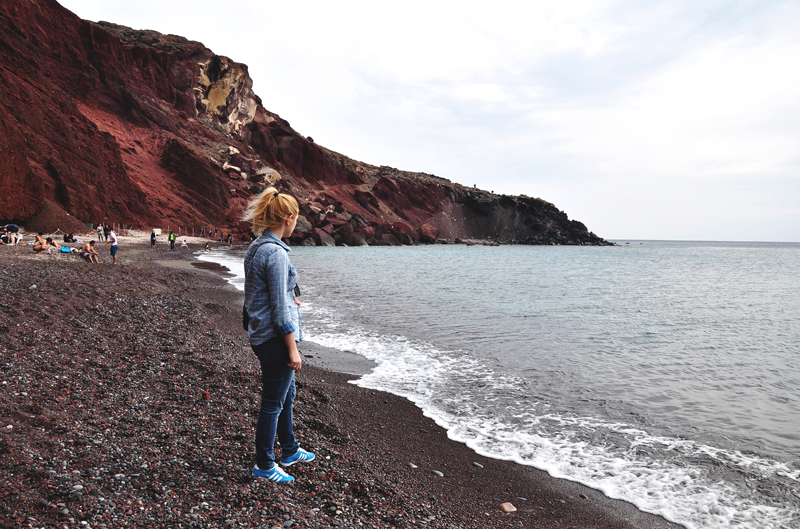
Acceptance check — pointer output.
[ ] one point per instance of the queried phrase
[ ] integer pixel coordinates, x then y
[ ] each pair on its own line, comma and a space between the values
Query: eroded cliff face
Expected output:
144, 129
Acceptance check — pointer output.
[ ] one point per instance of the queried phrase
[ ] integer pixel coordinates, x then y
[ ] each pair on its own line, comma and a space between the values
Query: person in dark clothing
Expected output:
153, 239
11, 231
171, 240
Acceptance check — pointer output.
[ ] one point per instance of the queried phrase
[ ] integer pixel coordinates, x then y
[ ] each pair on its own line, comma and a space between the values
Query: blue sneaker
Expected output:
301, 455
276, 473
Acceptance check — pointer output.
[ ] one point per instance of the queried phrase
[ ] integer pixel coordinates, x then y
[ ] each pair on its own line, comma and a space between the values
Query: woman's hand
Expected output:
295, 361
297, 302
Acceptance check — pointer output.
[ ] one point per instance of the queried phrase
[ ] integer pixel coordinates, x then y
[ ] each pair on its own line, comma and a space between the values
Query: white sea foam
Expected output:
452, 388
230, 259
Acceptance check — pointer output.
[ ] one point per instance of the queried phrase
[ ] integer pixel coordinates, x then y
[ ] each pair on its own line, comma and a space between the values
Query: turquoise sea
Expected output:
663, 373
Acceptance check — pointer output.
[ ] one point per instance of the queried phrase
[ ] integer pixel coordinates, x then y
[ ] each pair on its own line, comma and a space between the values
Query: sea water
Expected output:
666, 374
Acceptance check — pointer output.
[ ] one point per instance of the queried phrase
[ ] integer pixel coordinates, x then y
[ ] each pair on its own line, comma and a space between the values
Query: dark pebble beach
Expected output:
129, 399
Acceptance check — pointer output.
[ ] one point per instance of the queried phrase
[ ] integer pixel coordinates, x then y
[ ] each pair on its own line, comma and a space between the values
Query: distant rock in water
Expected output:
133, 127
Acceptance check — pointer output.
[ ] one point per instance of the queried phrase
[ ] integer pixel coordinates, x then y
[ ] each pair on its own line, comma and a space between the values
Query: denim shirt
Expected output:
268, 290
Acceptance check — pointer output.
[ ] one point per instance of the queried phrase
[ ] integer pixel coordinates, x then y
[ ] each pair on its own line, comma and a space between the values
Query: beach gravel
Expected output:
129, 399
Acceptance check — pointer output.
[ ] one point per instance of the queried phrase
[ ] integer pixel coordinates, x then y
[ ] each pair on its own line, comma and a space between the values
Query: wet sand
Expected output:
131, 395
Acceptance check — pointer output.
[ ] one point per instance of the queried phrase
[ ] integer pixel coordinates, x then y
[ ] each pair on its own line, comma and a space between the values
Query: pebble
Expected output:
437, 473
507, 507
77, 487
412, 465
476, 464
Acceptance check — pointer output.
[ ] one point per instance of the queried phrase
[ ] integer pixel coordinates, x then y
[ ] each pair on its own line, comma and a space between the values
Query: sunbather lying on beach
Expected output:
48, 245
89, 253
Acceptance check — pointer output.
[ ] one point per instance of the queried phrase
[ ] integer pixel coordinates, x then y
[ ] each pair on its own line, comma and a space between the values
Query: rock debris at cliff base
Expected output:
129, 397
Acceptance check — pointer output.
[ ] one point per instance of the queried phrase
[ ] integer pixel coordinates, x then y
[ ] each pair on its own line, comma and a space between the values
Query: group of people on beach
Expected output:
103, 231
171, 238
90, 254
42, 244
214, 233
88, 251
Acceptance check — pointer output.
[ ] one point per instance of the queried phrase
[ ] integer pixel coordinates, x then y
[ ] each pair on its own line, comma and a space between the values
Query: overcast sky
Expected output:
642, 119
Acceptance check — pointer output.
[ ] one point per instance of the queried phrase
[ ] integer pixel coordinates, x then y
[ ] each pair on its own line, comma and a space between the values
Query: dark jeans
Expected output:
277, 398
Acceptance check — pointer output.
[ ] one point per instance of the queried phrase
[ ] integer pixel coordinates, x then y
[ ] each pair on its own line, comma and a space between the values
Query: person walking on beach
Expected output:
112, 238
99, 231
153, 239
171, 239
274, 329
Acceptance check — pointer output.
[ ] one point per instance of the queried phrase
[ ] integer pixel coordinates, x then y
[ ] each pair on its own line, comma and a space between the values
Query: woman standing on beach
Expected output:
274, 329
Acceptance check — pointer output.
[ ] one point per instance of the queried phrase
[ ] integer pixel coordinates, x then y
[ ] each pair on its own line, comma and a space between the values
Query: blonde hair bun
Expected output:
269, 209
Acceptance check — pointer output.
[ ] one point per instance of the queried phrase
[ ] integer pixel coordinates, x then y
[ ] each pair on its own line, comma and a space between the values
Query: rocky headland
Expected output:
141, 129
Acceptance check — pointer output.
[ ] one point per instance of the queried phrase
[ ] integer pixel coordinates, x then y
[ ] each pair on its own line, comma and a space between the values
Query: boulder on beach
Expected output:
428, 234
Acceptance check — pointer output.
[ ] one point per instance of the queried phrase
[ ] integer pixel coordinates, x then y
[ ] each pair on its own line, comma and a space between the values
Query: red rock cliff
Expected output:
145, 129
